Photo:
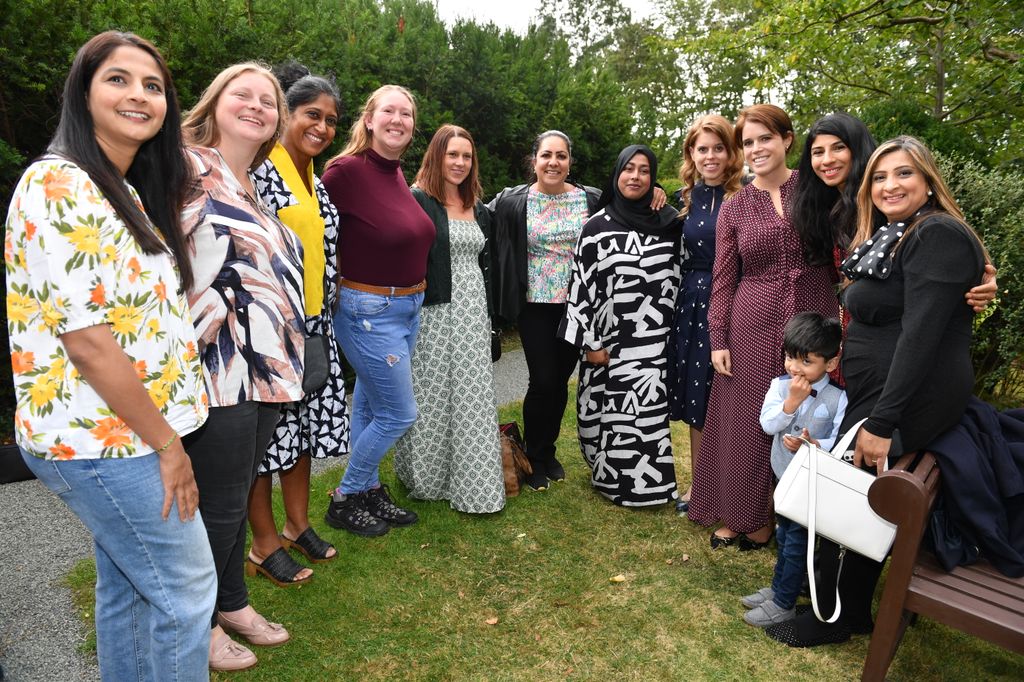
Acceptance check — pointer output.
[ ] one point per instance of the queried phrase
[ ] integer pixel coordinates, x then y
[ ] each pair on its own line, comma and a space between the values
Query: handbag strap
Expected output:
812, 494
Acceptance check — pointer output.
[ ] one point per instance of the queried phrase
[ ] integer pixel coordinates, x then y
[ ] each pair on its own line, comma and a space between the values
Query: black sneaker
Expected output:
537, 480
377, 501
347, 512
555, 471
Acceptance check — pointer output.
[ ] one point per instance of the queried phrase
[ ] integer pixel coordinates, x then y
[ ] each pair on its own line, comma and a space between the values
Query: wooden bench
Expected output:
974, 599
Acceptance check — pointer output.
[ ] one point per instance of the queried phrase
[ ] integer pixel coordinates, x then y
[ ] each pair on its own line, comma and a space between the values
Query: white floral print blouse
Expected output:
72, 264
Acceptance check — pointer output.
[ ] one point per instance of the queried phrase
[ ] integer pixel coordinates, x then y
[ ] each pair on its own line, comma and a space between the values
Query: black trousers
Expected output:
857, 584
226, 454
551, 362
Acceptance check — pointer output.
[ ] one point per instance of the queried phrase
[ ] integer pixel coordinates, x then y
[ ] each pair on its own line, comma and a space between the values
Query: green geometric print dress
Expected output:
452, 451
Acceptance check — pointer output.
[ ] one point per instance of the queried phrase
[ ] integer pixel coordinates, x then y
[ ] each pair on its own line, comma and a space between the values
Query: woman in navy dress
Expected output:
711, 172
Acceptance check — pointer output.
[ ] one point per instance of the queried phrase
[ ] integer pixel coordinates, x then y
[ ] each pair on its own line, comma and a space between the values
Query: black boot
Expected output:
348, 512
378, 502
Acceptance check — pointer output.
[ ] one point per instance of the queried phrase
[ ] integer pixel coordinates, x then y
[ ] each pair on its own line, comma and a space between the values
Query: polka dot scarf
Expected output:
873, 258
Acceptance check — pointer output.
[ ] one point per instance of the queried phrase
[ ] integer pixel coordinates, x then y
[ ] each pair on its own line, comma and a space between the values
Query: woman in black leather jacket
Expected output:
535, 229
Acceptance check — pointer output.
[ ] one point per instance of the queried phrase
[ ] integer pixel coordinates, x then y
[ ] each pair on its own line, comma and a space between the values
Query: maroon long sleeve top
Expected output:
384, 235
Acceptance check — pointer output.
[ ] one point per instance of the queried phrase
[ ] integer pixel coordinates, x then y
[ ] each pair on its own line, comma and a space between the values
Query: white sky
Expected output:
514, 14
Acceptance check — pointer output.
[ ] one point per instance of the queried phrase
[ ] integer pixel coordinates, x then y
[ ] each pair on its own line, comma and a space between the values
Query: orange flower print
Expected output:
23, 426
140, 369
111, 432
30, 230
23, 361
135, 268
161, 290
99, 295
57, 185
61, 451
190, 351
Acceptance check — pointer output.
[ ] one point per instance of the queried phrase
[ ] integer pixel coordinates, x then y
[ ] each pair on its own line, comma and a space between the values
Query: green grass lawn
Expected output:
525, 594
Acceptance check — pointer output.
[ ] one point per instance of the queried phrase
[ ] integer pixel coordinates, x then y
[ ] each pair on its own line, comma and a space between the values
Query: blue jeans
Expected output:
378, 335
155, 582
791, 563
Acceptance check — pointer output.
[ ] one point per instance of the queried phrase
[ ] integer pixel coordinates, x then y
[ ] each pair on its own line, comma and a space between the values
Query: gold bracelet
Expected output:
167, 444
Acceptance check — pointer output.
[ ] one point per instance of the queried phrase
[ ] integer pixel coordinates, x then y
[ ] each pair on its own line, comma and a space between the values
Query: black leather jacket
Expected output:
508, 250
439, 258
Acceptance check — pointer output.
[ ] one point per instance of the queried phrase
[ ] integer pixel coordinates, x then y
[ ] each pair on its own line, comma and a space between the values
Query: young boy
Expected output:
802, 403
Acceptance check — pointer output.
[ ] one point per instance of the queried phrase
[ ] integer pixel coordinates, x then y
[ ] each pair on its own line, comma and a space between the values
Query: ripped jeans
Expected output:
377, 334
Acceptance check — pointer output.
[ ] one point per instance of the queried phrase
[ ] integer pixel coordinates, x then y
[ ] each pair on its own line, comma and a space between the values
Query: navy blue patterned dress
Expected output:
690, 366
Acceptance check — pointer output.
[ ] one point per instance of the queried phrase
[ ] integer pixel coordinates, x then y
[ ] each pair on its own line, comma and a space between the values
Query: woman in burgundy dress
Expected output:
760, 280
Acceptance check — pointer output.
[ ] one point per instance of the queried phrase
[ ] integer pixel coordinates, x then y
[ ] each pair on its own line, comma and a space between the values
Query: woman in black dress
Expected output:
907, 354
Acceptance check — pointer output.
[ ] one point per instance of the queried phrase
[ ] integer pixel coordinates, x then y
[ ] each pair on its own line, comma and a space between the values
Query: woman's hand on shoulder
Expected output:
598, 357
659, 199
982, 295
721, 360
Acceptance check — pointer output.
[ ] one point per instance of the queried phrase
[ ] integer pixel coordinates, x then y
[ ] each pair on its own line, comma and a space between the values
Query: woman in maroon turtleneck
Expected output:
382, 262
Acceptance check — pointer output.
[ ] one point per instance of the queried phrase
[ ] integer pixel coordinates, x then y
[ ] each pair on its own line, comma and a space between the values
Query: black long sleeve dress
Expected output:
907, 365
907, 360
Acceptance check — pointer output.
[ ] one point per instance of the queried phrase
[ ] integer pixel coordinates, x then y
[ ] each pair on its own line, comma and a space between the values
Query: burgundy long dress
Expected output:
760, 280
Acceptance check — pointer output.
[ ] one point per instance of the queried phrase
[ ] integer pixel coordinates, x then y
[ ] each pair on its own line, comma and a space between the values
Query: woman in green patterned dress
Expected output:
452, 451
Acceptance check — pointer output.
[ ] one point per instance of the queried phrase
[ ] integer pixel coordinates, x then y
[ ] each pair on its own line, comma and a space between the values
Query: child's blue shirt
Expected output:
821, 413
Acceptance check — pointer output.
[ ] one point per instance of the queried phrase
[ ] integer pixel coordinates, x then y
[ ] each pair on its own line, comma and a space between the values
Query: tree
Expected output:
959, 60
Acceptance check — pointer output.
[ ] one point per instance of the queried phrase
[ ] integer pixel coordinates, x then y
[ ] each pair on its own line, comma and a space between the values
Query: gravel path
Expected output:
40, 635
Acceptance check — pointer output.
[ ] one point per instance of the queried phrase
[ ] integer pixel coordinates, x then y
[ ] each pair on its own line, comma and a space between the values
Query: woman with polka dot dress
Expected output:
760, 280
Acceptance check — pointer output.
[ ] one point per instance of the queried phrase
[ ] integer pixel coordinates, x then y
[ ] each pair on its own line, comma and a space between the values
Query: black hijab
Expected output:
636, 213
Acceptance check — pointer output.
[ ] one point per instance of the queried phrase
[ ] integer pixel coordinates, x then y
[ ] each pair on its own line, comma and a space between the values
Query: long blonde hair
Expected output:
200, 126
721, 128
869, 218
359, 137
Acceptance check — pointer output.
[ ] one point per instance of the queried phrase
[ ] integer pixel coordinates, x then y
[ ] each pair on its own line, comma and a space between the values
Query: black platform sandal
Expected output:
311, 545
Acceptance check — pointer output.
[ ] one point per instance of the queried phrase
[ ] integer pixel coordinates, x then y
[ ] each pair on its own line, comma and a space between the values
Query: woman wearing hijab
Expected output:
622, 292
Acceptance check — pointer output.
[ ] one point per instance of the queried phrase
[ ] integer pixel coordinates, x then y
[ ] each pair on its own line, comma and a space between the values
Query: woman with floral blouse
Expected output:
104, 353
247, 307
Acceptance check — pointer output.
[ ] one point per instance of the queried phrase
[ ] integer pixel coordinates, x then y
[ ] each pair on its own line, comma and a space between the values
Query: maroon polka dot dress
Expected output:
760, 280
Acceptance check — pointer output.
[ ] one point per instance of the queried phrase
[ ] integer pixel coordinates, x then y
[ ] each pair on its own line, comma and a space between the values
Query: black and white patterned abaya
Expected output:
621, 298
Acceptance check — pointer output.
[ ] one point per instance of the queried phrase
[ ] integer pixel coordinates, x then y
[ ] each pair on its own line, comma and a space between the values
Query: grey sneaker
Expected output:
752, 601
768, 614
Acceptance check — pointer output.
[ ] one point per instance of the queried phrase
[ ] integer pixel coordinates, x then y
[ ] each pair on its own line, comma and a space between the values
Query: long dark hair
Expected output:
159, 171
824, 216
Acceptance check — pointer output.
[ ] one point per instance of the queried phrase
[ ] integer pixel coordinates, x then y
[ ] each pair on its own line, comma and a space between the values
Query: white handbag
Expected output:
829, 496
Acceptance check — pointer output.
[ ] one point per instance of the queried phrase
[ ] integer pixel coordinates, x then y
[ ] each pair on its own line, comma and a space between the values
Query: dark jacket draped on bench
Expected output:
982, 465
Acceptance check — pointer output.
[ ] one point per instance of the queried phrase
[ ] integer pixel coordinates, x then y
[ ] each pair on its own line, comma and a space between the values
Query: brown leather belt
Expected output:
385, 291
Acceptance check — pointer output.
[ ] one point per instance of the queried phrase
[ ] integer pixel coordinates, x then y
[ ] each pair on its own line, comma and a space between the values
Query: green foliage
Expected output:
993, 203
960, 61
888, 119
